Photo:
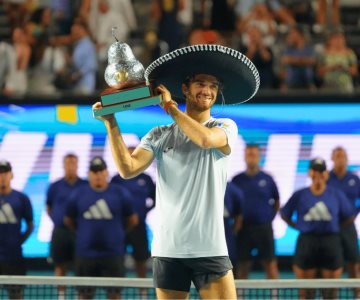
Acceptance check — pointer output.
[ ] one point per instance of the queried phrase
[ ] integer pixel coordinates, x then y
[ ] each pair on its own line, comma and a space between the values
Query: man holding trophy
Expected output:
192, 155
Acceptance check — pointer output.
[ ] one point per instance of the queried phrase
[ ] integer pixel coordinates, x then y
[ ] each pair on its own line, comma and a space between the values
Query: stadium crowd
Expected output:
55, 46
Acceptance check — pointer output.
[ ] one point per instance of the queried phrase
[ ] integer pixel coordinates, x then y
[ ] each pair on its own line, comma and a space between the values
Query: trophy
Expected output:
125, 77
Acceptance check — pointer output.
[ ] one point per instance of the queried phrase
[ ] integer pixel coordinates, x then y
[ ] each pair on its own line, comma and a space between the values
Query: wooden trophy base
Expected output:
114, 100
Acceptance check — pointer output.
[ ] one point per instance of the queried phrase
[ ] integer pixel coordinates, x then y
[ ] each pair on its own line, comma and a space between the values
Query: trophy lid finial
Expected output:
113, 30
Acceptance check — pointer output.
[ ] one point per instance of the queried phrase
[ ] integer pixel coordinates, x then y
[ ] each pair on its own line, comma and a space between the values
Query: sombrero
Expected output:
239, 76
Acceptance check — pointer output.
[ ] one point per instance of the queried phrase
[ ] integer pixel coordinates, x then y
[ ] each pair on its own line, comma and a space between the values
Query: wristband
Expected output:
168, 104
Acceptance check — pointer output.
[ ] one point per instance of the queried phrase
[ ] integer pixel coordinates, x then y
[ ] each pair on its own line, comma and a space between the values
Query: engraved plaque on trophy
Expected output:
125, 78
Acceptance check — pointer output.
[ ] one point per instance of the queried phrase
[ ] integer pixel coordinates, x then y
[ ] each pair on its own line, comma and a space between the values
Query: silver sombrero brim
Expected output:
238, 74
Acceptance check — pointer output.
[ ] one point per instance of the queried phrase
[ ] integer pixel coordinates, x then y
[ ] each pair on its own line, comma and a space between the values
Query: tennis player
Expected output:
192, 155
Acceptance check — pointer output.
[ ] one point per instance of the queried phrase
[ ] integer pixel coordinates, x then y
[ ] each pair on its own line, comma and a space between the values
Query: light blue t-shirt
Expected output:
190, 190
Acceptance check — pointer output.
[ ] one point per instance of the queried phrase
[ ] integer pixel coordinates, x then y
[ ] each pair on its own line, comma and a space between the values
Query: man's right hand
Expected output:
103, 118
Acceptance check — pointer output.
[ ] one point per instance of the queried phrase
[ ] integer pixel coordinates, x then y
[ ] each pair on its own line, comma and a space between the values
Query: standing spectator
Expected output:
337, 64
280, 12
349, 183
62, 239
16, 79
322, 12
219, 15
298, 61
261, 17
165, 14
142, 190
102, 16
319, 211
15, 207
261, 202
83, 58
100, 213
234, 201
260, 54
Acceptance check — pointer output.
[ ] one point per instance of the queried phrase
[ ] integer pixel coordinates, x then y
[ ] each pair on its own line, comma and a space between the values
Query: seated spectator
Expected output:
261, 17
16, 80
320, 212
337, 65
298, 61
261, 55
100, 213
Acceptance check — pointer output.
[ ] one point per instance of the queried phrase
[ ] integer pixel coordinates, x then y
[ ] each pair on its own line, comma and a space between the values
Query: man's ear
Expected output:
184, 89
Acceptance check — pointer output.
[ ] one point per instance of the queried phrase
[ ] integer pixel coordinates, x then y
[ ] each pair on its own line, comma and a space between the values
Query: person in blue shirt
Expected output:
100, 213
62, 245
233, 207
261, 202
15, 207
320, 211
142, 190
349, 183
298, 62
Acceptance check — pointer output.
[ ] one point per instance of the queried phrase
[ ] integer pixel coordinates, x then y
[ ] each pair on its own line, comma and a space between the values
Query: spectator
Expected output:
260, 17
102, 16
100, 213
219, 15
349, 183
83, 59
16, 80
261, 55
62, 239
205, 36
337, 65
142, 190
322, 12
319, 211
234, 201
165, 14
261, 202
298, 61
15, 208
280, 12
47, 59
92, 11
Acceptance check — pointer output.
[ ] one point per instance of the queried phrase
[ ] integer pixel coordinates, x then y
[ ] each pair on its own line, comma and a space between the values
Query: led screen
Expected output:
35, 139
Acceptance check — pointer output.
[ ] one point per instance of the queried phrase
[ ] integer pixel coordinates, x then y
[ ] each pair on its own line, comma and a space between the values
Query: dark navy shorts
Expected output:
178, 273
62, 247
259, 237
318, 251
349, 242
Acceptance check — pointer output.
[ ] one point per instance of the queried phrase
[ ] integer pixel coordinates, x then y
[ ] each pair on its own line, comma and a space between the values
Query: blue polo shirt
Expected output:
141, 188
100, 219
57, 197
14, 208
260, 195
318, 214
349, 184
234, 201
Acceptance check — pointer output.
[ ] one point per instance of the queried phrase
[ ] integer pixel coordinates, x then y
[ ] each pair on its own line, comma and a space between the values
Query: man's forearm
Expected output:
196, 132
118, 148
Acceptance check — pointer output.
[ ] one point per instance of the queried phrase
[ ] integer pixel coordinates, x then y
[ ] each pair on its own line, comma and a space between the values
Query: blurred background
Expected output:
52, 60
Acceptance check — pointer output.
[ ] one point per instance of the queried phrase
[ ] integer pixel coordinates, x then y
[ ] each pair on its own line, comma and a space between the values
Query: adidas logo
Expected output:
98, 211
7, 215
319, 212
